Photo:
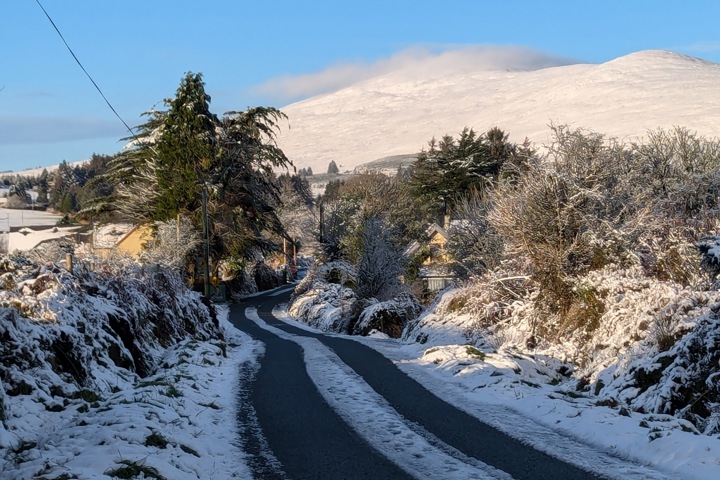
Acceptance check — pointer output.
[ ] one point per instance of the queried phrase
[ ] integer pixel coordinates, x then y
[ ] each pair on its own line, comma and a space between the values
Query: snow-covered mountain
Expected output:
37, 171
397, 113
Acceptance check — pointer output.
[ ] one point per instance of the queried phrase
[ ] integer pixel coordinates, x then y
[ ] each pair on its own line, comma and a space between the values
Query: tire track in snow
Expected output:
529, 433
305, 434
261, 460
412, 449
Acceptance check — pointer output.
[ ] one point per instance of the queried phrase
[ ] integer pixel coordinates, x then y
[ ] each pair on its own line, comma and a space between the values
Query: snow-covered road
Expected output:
406, 426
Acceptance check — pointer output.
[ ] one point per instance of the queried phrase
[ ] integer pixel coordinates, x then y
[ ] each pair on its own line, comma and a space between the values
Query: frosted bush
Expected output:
388, 317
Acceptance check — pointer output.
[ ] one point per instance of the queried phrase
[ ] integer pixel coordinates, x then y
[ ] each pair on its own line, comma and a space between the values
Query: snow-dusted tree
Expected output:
451, 167
247, 194
296, 212
42, 188
17, 196
381, 262
345, 205
594, 202
679, 171
339, 217
562, 214
136, 199
474, 245
186, 150
542, 220
333, 168
63, 185
172, 243
673, 182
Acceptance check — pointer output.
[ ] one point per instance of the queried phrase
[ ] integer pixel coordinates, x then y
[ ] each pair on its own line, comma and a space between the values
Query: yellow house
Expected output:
122, 239
438, 238
434, 273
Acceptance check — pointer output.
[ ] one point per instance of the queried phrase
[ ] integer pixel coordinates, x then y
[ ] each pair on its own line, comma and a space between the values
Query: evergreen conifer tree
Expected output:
181, 151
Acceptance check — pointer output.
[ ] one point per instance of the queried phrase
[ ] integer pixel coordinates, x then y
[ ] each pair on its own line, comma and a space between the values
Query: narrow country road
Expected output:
292, 431
306, 436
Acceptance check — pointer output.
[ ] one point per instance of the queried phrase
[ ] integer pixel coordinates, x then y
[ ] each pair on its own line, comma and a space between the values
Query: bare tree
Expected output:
474, 244
380, 265
172, 243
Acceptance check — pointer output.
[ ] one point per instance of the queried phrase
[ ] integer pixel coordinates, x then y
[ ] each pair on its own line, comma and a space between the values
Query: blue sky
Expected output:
272, 53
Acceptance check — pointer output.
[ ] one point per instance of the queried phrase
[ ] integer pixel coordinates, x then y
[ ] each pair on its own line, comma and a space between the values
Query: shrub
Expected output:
132, 469
156, 440
389, 317
584, 312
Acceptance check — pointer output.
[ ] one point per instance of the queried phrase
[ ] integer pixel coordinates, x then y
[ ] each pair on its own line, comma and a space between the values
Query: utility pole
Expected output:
322, 222
206, 246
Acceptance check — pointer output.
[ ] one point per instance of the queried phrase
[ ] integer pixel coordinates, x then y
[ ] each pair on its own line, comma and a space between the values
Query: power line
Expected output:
83, 69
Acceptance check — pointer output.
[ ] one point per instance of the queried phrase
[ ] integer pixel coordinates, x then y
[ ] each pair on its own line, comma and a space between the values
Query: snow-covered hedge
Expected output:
325, 306
388, 317
709, 249
647, 345
325, 299
65, 335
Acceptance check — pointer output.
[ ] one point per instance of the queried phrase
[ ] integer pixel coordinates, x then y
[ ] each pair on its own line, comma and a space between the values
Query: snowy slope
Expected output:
399, 112
102, 374
36, 172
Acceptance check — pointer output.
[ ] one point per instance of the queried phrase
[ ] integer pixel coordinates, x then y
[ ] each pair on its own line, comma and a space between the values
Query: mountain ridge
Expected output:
397, 113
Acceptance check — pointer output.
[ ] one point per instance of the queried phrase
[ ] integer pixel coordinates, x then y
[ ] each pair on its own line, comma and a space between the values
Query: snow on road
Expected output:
202, 419
420, 453
657, 441
412, 449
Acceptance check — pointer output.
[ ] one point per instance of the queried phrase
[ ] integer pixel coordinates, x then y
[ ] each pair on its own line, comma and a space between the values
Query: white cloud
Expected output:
418, 61
705, 47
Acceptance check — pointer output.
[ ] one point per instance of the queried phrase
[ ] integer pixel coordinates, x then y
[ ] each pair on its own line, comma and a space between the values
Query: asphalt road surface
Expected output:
291, 432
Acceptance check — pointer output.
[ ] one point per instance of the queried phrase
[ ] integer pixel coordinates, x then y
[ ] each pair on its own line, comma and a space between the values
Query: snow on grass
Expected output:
103, 374
177, 423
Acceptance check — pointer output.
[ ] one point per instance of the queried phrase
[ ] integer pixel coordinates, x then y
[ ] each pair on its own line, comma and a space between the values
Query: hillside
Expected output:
397, 113
37, 171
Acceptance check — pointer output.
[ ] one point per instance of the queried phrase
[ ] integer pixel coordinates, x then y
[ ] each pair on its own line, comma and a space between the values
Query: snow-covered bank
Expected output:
325, 299
641, 385
653, 347
107, 373
508, 388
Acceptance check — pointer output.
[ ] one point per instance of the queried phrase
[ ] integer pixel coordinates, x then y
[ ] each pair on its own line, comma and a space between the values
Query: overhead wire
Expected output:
84, 70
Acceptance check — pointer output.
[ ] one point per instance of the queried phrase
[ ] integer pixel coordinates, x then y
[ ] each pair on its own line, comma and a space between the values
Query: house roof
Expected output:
415, 245
435, 228
108, 236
